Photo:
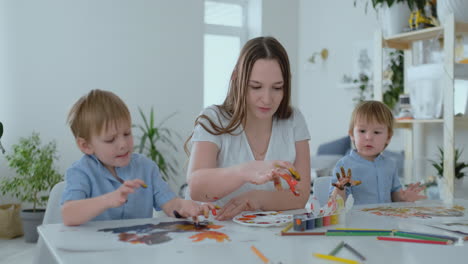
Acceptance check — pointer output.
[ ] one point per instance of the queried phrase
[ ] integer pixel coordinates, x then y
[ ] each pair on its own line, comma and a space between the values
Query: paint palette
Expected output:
263, 219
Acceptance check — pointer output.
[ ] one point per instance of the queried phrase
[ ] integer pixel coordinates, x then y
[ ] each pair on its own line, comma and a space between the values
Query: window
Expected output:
225, 33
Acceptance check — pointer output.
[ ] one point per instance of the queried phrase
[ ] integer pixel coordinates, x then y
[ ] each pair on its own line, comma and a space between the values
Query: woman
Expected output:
240, 146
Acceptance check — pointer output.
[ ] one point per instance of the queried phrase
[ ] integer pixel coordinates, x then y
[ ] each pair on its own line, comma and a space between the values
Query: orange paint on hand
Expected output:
218, 236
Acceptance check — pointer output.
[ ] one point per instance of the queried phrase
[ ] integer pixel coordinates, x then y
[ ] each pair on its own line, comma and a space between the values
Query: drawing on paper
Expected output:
417, 211
148, 234
263, 219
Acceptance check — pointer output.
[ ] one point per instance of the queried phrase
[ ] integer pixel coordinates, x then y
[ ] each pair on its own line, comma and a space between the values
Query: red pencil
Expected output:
303, 233
395, 239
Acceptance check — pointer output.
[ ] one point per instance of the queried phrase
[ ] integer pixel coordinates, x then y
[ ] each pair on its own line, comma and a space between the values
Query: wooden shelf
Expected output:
403, 41
408, 123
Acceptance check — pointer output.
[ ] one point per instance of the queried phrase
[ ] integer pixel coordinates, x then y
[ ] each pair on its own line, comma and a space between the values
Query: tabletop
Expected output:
231, 242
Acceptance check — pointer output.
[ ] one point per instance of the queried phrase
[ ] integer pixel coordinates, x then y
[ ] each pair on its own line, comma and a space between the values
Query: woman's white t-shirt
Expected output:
234, 148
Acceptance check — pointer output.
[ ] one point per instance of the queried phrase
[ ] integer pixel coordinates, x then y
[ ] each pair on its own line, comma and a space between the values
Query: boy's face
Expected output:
370, 139
113, 146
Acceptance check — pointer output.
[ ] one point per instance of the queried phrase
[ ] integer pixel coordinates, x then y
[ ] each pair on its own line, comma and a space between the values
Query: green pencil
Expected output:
400, 234
358, 233
337, 249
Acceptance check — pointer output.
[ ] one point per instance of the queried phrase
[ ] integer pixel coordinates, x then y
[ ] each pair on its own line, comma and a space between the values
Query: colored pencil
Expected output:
286, 229
395, 239
431, 235
401, 234
303, 233
365, 229
358, 233
122, 181
333, 258
337, 249
259, 254
354, 251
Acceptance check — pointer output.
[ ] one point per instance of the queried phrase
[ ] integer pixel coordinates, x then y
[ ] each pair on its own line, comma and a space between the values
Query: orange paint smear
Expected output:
218, 236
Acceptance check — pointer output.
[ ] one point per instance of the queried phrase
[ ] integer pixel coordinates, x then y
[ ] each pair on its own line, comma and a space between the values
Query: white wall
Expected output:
150, 53
335, 25
280, 20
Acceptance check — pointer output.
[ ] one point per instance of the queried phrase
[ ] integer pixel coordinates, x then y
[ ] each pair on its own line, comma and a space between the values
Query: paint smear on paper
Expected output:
145, 234
218, 236
417, 211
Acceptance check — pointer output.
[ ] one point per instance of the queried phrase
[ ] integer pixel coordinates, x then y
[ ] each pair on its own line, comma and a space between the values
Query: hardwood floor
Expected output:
16, 251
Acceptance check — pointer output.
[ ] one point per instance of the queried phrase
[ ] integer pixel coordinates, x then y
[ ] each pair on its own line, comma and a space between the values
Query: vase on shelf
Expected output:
393, 20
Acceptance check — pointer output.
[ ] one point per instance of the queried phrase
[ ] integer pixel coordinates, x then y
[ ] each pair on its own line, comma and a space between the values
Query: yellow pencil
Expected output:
286, 229
333, 258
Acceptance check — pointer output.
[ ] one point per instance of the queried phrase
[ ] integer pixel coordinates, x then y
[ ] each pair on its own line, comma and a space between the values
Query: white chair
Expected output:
321, 188
52, 215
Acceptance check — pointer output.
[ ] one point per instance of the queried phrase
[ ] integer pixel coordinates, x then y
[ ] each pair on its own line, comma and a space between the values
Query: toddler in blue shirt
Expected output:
111, 182
372, 176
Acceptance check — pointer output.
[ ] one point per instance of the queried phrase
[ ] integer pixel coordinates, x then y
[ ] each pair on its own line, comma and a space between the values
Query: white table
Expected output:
85, 245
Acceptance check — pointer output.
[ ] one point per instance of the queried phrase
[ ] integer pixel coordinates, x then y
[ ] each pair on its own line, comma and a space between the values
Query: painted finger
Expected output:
343, 173
349, 173
338, 176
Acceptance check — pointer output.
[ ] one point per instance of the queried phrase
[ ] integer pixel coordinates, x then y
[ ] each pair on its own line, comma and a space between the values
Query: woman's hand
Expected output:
260, 171
244, 202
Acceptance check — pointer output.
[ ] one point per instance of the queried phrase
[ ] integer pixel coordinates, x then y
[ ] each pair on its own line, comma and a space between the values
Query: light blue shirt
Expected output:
88, 178
379, 178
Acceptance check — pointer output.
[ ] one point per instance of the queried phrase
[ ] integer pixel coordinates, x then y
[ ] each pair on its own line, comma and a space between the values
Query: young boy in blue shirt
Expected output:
374, 176
110, 181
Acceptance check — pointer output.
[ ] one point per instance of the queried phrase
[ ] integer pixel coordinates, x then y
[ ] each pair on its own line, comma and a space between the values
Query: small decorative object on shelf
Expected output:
405, 108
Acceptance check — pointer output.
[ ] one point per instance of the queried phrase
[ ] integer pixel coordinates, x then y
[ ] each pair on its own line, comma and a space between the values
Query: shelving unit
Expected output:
453, 71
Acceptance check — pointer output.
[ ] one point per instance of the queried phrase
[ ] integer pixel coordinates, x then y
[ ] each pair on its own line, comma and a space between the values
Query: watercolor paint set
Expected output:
307, 221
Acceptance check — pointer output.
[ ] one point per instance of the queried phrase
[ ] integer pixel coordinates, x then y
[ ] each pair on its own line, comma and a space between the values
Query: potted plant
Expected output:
154, 139
35, 176
393, 15
459, 167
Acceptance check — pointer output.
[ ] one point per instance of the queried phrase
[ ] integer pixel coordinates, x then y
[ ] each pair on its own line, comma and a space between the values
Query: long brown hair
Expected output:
234, 106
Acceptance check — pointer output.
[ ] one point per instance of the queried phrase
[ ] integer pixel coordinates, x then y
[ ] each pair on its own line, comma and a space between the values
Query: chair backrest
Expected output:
53, 214
321, 188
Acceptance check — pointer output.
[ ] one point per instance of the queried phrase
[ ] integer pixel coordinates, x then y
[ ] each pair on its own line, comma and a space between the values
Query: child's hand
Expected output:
119, 197
261, 172
411, 194
345, 180
187, 208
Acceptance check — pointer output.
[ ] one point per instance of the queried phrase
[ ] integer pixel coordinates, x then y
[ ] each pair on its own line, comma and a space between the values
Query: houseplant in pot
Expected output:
156, 142
35, 175
459, 167
393, 15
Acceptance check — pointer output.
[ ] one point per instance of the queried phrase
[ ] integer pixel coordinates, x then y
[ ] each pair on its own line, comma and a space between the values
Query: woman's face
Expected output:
265, 89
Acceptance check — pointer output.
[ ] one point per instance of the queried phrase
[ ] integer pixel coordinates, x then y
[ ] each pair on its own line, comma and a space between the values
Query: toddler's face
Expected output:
114, 146
370, 139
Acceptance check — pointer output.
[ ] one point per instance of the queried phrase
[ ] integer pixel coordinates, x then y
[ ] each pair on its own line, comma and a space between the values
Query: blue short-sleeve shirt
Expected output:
379, 178
88, 178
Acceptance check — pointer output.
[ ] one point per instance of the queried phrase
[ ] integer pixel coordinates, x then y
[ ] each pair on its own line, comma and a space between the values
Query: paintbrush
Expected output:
194, 218
122, 181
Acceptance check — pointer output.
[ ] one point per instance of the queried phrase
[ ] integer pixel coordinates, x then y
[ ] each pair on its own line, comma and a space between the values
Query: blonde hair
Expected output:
95, 111
372, 112
234, 106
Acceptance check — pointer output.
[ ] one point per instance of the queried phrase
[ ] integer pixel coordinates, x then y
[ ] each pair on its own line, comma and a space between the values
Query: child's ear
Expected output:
84, 146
